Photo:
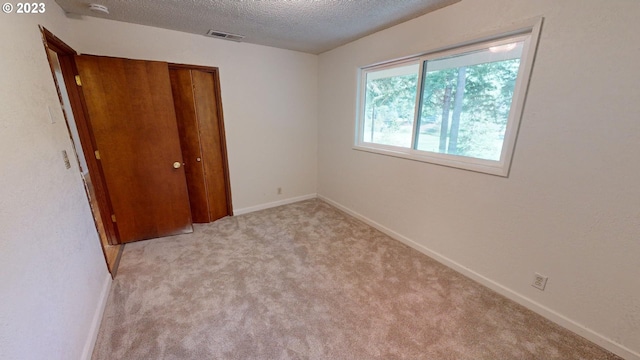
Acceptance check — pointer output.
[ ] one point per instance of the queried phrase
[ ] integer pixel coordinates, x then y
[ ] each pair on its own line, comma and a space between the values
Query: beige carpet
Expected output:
306, 281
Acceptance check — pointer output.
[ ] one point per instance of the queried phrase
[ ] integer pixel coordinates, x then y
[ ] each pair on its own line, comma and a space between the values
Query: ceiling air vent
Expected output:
224, 35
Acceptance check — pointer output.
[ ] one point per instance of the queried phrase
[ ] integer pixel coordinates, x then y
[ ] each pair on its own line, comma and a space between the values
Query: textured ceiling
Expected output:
312, 26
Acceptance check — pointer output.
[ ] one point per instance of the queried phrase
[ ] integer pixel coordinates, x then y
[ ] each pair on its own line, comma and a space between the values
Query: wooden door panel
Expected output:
184, 103
206, 108
130, 107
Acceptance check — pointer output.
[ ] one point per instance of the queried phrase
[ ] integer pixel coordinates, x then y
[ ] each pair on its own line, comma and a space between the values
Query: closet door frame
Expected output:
97, 194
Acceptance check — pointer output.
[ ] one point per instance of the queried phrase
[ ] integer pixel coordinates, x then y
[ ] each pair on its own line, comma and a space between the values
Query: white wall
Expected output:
269, 99
570, 208
52, 271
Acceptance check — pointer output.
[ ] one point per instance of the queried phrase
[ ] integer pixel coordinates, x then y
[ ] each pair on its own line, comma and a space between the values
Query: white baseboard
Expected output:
550, 314
274, 204
97, 319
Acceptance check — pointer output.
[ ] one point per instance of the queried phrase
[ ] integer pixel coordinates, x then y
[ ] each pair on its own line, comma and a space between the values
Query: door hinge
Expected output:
97, 154
78, 81
113, 217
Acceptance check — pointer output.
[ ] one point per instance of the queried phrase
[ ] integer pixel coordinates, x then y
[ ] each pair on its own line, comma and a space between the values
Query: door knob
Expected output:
198, 159
176, 165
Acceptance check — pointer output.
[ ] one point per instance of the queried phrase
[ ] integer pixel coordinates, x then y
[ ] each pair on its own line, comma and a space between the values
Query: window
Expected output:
458, 107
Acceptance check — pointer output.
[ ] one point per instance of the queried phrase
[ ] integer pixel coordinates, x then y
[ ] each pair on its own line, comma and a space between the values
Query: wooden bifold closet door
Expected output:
196, 100
130, 110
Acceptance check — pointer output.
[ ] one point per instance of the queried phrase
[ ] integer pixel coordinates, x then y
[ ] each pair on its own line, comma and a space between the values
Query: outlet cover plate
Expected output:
539, 281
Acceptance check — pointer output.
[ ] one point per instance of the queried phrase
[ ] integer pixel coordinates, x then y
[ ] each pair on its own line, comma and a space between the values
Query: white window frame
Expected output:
529, 31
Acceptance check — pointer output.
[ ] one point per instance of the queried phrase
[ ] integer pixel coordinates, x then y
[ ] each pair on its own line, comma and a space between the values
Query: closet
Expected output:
133, 139
196, 99
155, 134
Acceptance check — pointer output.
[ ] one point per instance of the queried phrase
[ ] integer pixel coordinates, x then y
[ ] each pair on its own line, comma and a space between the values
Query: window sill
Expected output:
497, 168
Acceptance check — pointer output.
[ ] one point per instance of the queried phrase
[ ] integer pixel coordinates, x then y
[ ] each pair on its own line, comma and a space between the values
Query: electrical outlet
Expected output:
65, 157
539, 281
279, 191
